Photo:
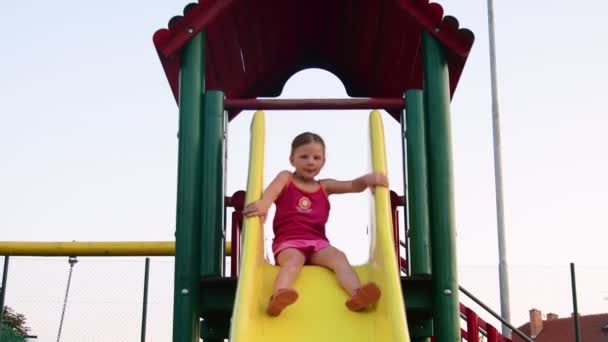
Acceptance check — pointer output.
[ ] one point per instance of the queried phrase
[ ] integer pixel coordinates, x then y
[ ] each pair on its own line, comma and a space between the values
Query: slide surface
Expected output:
319, 314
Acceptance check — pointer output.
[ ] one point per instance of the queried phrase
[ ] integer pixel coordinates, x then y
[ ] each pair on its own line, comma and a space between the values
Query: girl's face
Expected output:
308, 160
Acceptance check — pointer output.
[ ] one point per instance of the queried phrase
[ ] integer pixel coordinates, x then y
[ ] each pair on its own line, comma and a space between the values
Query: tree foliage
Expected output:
9, 335
15, 322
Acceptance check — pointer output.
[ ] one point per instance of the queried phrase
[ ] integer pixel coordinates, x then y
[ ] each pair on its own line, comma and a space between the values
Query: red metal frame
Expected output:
236, 201
403, 264
476, 325
314, 104
397, 201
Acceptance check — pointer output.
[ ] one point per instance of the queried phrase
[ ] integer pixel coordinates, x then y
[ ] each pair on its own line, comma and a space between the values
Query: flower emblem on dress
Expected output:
304, 205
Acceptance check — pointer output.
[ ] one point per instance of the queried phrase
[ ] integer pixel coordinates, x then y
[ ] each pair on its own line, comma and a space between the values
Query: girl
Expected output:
302, 209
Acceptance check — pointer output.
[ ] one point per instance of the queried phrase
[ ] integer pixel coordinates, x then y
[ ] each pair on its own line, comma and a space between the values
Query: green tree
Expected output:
14, 326
9, 335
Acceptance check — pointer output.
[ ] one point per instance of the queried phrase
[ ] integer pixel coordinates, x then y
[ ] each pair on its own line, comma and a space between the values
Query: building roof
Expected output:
254, 47
594, 328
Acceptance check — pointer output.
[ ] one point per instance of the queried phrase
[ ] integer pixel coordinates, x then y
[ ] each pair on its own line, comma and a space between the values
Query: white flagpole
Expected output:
505, 308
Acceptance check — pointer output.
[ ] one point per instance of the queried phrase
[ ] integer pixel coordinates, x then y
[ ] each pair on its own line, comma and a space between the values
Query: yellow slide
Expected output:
319, 314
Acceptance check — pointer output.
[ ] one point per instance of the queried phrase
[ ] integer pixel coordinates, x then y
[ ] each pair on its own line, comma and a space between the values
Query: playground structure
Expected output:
402, 56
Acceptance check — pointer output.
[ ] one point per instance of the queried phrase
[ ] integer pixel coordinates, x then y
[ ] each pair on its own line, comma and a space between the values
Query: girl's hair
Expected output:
306, 138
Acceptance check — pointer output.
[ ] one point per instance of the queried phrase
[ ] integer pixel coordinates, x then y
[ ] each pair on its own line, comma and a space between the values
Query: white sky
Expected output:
88, 151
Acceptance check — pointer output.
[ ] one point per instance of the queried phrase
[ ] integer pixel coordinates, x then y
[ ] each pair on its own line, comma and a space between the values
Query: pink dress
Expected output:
299, 220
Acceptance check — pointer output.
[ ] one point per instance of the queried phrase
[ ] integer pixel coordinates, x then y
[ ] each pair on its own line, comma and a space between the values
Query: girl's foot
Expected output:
366, 295
280, 299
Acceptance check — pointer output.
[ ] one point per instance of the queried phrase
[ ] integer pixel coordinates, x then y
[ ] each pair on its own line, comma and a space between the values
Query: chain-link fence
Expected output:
105, 299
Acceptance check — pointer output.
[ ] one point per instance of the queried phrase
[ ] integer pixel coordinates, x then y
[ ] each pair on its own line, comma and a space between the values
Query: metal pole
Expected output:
446, 306
144, 314
88, 248
72, 261
503, 274
314, 104
186, 295
577, 329
3, 292
93, 248
414, 158
212, 185
416, 184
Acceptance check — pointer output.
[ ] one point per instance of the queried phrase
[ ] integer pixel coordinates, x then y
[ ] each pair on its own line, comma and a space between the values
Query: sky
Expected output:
88, 152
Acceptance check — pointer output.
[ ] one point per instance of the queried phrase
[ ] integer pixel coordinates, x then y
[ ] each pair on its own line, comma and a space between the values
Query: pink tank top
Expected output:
300, 215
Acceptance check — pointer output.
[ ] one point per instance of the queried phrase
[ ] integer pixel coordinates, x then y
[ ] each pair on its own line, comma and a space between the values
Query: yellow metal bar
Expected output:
92, 248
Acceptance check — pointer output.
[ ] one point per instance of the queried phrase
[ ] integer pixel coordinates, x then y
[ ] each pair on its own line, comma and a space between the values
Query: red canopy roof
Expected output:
254, 47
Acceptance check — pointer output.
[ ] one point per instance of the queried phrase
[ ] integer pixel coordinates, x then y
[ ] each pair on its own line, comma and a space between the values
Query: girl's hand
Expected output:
257, 208
375, 179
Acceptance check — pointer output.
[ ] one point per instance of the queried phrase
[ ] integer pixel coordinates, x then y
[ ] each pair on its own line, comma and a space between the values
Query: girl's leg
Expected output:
291, 261
361, 297
335, 260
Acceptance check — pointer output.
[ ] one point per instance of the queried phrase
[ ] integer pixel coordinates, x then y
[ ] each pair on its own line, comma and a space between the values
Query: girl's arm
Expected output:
333, 186
260, 207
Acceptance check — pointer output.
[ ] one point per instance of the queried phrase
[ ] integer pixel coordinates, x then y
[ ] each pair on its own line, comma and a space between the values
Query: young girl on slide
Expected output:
302, 209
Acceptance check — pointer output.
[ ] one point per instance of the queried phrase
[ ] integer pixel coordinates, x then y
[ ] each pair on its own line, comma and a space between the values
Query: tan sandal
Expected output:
280, 299
366, 296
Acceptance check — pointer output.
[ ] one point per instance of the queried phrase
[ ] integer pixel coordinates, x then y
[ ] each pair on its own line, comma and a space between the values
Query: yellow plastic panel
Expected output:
319, 314
383, 266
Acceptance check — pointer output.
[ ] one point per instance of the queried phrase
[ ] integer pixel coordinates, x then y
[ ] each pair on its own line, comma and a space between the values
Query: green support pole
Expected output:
441, 194
414, 139
212, 210
186, 306
414, 136
212, 186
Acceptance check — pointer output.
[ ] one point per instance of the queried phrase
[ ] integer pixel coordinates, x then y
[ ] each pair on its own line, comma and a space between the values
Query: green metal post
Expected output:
186, 306
414, 139
212, 185
441, 203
